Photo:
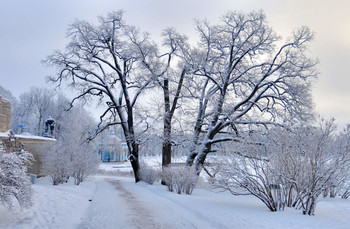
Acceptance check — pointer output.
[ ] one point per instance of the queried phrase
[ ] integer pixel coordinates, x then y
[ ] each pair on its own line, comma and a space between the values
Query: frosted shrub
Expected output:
14, 181
180, 179
85, 162
72, 155
293, 169
62, 161
57, 164
242, 175
148, 175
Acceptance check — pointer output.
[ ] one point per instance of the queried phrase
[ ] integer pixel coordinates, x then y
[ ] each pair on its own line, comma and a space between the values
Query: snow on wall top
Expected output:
31, 139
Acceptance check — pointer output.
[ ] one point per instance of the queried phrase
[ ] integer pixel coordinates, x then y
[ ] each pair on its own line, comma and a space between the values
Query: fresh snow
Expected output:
117, 202
26, 136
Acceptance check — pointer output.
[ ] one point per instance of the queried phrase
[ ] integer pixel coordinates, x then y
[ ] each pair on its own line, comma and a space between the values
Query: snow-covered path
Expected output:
176, 211
104, 209
112, 206
117, 202
120, 203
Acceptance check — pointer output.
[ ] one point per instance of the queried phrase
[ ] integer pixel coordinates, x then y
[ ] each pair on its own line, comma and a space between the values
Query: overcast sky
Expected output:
31, 30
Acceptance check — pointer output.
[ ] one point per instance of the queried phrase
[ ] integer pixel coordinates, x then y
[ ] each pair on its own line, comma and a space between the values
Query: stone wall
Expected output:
5, 115
33, 144
37, 150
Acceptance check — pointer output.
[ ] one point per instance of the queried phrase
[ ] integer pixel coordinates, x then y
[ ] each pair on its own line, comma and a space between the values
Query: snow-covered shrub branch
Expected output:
248, 173
324, 164
56, 163
72, 155
180, 179
249, 78
148, 174
14, 180
342, 144
292, 168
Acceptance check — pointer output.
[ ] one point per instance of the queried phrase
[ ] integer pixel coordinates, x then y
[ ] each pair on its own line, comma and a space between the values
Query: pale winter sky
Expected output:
30, 30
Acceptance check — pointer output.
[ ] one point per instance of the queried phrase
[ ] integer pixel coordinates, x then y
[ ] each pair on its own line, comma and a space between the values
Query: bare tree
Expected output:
176, 49
107, 62
33, 109
248, 80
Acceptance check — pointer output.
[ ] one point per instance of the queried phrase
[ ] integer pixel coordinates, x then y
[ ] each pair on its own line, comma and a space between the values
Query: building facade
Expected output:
111, 149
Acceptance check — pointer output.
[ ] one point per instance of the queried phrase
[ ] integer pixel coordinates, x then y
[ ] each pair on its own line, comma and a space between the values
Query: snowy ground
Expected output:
117, 202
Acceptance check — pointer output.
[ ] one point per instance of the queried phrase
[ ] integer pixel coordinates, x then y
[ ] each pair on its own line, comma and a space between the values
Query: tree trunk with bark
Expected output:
166, 149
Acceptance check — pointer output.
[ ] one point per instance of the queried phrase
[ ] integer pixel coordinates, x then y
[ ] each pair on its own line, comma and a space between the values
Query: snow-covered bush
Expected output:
148, 174
56, 163
242, 175
84, 162
325, 164
180, 179
343, 145
70, 159
286, 168
71, 155
14, 180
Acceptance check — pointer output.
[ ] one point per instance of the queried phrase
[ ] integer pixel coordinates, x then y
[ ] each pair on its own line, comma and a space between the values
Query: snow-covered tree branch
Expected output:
253, 81
107, 62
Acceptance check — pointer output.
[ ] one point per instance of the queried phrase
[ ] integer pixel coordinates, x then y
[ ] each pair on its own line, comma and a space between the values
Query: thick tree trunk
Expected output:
198, 126
169, 110
166, 150
191, 157
197, 130
133, 147
212, 131
168, 115
166, 156
134, 160
200, 159
166, 153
